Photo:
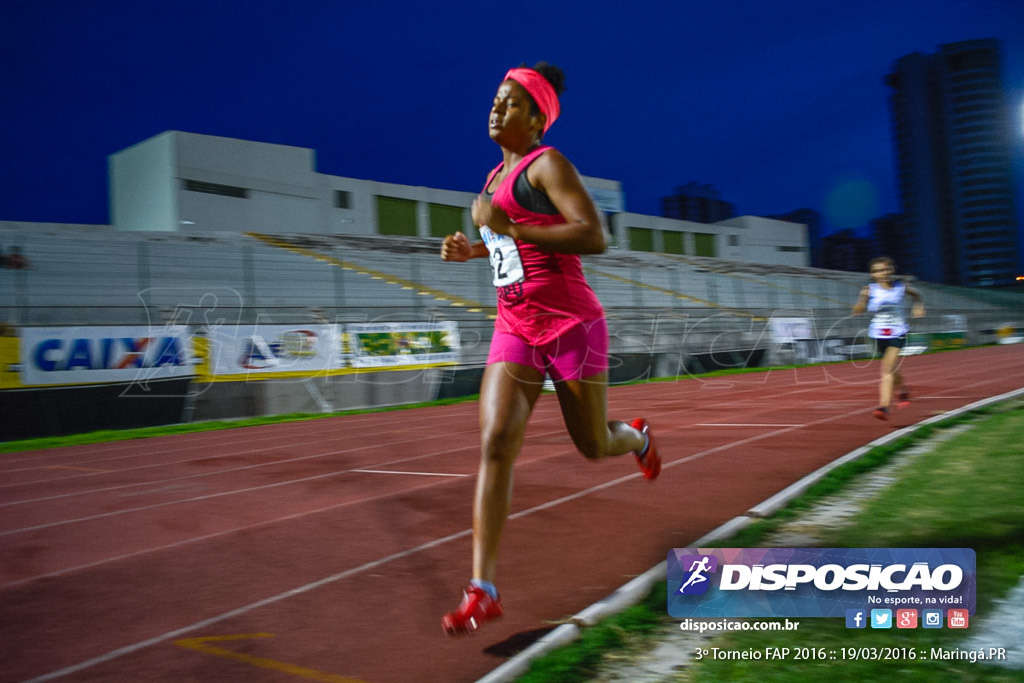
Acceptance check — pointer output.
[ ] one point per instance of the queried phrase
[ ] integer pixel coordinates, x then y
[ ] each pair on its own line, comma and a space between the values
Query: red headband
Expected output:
540, 90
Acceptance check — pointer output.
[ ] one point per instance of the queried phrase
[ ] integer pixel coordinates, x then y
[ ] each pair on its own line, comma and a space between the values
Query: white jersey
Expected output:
890, 319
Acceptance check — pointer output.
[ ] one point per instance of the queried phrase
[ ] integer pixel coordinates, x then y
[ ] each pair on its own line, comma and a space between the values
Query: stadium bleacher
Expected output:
668, 314
109, 278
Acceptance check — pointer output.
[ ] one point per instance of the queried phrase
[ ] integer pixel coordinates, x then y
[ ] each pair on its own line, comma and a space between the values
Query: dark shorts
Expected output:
896, 342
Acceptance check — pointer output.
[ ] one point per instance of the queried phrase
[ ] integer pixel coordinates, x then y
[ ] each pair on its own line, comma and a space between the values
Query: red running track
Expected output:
328, 550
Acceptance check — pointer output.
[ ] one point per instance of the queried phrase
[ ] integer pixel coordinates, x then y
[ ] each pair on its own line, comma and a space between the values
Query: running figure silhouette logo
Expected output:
697, 567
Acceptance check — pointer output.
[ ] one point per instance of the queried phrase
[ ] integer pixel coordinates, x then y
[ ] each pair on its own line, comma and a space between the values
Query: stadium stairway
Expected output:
300, 245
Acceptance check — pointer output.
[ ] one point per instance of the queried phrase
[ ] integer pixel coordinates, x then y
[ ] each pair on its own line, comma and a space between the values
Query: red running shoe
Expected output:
650, 462
881, 412
477, 606
903, 401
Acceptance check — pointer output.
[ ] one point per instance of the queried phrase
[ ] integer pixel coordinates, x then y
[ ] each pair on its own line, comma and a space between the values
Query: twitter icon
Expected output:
881, 618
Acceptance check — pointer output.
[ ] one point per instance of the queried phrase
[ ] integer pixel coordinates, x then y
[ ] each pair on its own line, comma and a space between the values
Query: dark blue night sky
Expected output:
780, 104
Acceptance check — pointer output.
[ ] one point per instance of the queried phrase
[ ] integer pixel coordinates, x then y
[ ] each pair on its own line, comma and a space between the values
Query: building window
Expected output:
396, 216
673, 242
216, 188
734, 240
641, 239
342, 199
445, 220
704, 244
789, 249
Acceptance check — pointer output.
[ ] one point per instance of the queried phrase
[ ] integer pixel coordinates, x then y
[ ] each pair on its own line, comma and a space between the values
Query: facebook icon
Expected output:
856, 618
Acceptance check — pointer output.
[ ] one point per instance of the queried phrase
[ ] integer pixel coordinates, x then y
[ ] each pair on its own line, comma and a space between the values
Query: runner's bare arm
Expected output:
862, 302
582, 233
458, 248
917, 311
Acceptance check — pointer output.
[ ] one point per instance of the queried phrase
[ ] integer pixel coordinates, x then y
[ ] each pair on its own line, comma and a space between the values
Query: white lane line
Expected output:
216, 534
418, 474
245, 449
141, 645
153, 482
746, 424
282, 432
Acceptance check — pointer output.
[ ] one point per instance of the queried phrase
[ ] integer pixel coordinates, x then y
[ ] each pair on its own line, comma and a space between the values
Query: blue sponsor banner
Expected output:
817, 582
97, 355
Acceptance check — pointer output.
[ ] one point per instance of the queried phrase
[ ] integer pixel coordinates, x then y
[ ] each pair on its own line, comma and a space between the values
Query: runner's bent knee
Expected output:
591, 446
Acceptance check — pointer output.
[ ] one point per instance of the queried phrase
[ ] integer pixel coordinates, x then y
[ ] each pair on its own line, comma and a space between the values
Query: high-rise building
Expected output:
700, 203
889, 231
952, 138
845, 250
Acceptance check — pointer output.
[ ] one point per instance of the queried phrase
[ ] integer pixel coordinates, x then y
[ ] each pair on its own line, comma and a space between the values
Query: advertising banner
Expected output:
97, 355
941, 341
305, 350
396, 345
798, 335
789, 330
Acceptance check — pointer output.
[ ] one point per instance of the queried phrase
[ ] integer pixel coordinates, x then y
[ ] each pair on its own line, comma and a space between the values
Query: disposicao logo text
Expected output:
777, 582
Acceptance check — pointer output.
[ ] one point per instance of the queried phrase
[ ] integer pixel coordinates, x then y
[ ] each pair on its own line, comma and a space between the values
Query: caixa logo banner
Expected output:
817, 582
96, 355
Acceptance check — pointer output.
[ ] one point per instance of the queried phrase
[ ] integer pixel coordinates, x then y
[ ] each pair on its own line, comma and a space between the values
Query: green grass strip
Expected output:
580, 660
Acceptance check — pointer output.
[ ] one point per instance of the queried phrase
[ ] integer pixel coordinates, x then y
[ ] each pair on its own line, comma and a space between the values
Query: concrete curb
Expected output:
520, 663
638, 588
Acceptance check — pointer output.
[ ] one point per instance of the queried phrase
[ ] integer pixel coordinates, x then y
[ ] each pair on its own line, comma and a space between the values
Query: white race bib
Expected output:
506, 264
888, 319
887, 325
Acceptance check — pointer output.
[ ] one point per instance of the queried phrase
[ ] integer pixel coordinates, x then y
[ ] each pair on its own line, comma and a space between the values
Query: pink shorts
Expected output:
579, 353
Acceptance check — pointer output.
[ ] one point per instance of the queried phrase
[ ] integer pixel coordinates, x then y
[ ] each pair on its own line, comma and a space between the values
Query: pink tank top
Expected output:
541, 295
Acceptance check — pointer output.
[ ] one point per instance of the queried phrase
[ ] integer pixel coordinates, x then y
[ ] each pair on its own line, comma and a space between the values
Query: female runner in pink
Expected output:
535, 219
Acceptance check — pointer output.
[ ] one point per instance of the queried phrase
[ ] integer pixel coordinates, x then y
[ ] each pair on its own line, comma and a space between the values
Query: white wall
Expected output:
142, 192
757, 240
763, 240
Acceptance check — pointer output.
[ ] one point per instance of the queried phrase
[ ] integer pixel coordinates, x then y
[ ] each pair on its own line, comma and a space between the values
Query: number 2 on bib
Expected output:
506, 264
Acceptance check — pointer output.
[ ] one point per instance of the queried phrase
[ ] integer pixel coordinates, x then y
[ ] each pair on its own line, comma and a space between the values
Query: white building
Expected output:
184, 182
763, 240
744, 238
